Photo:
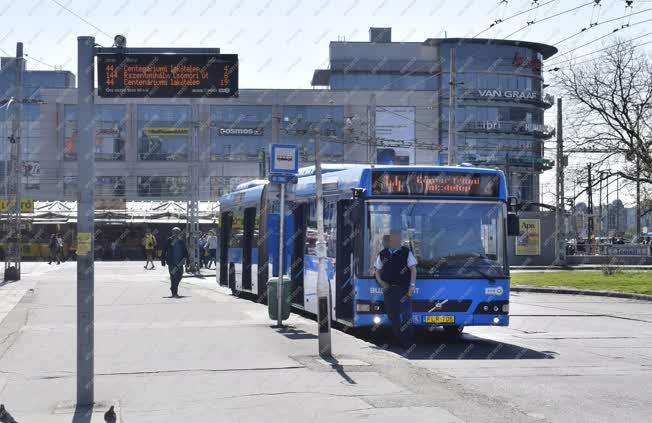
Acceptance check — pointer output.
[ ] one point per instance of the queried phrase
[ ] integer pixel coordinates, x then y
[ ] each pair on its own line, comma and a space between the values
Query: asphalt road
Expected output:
563, 358
212, 356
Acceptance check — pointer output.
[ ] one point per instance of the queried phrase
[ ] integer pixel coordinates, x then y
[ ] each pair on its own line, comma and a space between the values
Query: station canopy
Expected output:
134, 212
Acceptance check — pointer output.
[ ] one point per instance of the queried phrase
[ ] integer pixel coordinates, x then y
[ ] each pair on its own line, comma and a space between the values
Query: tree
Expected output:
610, 110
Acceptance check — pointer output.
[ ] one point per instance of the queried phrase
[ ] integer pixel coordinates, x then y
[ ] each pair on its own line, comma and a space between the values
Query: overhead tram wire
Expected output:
40, 61
583, 30
556, 64
64, 7
596, 39
495, 23
550, 17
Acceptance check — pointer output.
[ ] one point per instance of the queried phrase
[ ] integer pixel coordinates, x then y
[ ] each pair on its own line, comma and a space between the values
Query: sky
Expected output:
281, 42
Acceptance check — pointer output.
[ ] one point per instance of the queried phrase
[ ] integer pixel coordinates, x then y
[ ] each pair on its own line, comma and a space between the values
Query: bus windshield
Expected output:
448, 239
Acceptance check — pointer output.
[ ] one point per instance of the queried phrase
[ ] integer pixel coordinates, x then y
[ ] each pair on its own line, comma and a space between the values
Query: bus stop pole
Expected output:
85, 220
279, 288
323, 285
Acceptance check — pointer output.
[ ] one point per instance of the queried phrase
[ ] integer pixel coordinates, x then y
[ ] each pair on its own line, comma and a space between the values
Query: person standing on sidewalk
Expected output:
149, 242
202, 250
174, 255
396, 273
212, 248
53, 246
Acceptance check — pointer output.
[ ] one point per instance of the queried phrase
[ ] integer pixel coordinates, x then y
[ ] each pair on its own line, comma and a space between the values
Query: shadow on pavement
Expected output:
435, 346
7, 282
83, 414
339, 368
295, 334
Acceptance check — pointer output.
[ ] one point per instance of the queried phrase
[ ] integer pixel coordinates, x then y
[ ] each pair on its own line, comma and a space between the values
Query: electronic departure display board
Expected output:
435, 184
167, 75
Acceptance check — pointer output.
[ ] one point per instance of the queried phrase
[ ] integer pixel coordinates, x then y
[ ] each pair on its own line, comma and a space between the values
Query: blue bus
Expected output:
456, 221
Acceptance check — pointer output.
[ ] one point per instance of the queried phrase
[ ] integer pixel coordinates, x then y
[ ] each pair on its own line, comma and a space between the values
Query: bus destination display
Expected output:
167, 75
427, 183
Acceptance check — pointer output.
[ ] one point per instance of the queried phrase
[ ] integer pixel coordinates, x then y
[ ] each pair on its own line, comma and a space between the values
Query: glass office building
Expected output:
379, 101
500, 102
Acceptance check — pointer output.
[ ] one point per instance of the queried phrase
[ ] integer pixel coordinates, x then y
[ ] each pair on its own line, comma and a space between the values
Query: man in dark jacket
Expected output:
174, 255
396, 273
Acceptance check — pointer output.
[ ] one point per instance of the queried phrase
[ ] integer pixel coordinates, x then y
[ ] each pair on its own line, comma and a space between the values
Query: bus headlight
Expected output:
496, 320
505, 308
377, 320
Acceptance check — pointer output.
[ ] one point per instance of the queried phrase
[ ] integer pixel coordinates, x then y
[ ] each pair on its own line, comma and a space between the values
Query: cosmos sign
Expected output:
241, 131
515, 94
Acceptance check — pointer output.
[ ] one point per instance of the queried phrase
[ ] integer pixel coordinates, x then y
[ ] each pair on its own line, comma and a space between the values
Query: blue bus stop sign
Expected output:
277, 178
284, 159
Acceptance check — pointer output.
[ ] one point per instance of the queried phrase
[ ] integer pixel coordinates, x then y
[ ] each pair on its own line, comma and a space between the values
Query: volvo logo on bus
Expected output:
495, 291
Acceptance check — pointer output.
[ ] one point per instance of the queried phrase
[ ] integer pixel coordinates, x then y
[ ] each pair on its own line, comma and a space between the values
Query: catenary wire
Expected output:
81, 18
583, 30
550, 17
512, 16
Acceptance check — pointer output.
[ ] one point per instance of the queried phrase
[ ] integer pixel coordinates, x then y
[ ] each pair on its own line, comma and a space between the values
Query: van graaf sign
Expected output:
515, 94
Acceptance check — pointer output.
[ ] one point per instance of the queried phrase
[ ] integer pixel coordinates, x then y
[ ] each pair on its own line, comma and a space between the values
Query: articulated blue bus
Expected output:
454, 219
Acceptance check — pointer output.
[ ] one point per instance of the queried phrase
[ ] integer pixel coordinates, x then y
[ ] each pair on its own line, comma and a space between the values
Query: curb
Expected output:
581, 267
570, 291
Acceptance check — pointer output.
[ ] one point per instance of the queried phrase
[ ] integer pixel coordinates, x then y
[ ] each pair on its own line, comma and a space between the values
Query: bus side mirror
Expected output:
513, 225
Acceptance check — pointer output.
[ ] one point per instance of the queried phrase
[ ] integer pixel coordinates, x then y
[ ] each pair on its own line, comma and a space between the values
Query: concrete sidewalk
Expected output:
208, 357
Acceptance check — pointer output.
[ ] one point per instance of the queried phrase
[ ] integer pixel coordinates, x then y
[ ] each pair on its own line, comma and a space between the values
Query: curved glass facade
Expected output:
499, 110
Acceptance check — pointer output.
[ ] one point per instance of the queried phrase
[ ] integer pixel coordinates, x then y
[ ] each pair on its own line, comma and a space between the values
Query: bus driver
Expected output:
396, 273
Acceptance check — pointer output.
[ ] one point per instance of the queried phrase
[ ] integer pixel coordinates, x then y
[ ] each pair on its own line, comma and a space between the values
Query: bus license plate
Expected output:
439, 320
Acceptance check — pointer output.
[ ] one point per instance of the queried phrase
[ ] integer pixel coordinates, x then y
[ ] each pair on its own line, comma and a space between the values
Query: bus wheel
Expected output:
235, 292
453, 331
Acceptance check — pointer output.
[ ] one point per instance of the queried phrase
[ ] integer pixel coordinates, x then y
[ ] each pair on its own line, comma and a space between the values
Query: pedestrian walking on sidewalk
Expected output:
55, 249
212, 248
202, 250
149, 242
174, 255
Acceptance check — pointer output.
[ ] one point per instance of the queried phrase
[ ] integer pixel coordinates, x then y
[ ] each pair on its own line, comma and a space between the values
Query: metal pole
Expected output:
85, 220
192, 206
589, 209
452, 103
638, 198
372, 150
323, 284
606, 210
281, 251
559, 211
601, 231
13, 259
617, 204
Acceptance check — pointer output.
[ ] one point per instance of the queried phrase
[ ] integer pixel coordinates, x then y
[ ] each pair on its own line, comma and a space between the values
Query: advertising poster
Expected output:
528, 243
395, 126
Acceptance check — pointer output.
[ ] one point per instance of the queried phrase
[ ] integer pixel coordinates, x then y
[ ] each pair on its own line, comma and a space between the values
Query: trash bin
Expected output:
272, 298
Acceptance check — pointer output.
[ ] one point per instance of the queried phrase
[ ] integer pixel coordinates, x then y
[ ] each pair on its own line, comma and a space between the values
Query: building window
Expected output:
221, 185
105, 186
240, 132
110, 130
163, 132
31, 174
301, 124
167, 187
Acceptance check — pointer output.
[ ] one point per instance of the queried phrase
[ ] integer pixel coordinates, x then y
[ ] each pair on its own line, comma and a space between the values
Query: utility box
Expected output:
272, 298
